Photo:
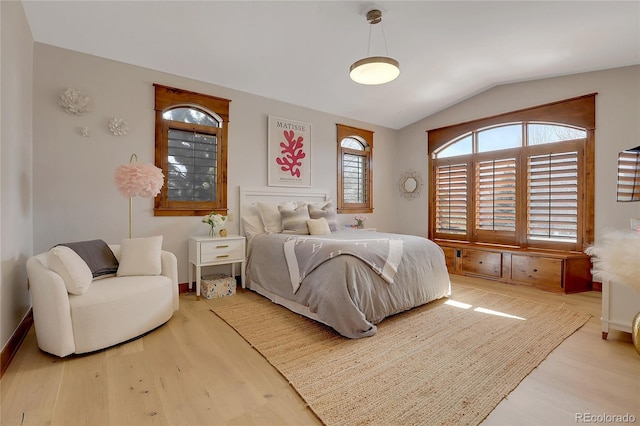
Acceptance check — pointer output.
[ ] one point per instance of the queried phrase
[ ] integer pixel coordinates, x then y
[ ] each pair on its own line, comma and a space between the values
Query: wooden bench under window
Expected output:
560, 271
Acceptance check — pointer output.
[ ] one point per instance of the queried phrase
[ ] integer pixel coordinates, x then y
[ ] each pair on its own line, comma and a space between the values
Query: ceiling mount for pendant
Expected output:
374, 16
375, 69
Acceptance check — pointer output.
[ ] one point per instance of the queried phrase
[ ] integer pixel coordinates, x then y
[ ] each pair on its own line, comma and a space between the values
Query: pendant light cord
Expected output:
384, 39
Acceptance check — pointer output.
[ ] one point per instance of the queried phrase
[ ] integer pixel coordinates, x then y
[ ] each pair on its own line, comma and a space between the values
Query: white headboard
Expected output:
249, 196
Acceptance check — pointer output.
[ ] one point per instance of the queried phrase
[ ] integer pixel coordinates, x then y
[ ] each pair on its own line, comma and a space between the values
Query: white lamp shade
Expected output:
374, 70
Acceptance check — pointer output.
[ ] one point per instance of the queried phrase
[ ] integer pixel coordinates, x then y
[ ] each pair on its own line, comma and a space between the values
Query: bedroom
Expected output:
45, 201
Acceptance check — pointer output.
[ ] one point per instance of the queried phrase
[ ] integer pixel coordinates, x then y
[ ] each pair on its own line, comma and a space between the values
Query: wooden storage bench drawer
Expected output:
538, 271
484, 263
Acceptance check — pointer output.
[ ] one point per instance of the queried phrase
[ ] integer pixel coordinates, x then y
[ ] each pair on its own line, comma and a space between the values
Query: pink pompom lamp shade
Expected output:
137, 180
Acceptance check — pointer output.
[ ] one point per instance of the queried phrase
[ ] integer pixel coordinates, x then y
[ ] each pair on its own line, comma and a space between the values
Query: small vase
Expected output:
213, 232
360, 224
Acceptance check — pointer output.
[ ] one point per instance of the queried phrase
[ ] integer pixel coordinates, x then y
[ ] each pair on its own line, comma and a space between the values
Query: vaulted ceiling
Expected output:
300, 51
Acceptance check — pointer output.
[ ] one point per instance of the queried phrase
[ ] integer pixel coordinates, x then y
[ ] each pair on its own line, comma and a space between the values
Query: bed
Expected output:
349, 280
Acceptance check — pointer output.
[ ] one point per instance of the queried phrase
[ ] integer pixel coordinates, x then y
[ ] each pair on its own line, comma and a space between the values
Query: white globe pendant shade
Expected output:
374, 70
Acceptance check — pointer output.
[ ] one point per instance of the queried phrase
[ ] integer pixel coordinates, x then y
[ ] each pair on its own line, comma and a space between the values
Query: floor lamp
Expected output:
137, 179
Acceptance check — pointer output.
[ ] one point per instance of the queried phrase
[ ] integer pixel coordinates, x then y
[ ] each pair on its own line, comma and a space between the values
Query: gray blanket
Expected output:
304, 254
97, 255
346, 293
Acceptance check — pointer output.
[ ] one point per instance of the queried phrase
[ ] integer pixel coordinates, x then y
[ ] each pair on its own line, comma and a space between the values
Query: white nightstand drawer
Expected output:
210, 251
213, 251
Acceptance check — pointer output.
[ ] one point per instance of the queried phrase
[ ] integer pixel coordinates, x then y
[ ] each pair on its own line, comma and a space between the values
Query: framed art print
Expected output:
289, 152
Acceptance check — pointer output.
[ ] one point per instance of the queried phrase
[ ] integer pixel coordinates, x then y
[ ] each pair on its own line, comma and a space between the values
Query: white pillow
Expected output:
294, 220
140, 256
270, 215
74, 271
318, 226
252, 226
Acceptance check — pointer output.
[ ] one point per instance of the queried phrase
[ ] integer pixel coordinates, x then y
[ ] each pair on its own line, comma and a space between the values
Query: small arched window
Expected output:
192, 155
354, 170
191, 150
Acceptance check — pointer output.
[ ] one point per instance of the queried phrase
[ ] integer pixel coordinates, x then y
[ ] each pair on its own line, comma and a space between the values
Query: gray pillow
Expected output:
317, 211
294, 220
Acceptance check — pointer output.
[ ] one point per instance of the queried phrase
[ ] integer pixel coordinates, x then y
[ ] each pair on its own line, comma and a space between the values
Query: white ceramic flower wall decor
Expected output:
118, 126
85, 131
73, 101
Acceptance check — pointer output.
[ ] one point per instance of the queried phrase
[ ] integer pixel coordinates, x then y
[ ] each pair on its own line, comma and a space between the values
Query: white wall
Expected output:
16, 232
74, 196
617, 128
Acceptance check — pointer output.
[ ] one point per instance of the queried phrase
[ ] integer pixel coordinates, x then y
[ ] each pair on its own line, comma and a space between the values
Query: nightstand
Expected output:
353, 228
210, 251
620, 303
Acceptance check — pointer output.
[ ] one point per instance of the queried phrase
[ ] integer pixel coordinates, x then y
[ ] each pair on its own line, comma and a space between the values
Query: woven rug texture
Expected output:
449, 362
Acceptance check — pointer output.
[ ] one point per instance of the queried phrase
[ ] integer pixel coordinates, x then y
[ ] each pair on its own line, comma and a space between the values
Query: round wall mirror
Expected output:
410, 184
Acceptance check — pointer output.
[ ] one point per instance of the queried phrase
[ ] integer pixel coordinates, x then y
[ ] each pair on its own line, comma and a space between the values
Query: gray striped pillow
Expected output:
326, 210
294, 220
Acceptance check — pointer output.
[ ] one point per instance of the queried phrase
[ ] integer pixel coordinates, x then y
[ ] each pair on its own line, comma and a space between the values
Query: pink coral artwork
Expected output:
289, 152
292, 153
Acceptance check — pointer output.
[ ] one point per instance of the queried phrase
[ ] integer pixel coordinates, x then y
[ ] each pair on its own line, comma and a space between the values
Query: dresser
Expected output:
211, 251
620, 303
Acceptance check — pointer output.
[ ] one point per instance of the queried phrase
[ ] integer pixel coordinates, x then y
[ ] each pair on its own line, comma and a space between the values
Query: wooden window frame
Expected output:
168, 98
343, 132
578, 112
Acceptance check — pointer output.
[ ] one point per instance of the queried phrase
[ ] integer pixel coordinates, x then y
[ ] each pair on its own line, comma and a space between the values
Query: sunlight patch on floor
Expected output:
457, 304
462, 305
498, 313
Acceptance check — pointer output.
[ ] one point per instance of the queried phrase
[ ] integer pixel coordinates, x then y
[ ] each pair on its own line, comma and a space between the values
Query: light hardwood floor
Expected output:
195, 370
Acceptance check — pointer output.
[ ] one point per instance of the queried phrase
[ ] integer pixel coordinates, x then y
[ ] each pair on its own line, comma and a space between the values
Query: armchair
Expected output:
113, 309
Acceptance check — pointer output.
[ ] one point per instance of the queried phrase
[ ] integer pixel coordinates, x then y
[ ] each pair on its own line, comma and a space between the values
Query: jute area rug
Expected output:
449, 362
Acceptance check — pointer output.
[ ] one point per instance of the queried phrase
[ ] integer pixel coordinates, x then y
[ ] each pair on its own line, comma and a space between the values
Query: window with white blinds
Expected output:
552, 196
522, 179
451, 200
629, 175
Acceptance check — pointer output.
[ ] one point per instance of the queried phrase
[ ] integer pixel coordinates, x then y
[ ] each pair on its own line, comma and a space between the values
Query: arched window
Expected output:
354, 170
191, 150
522, 179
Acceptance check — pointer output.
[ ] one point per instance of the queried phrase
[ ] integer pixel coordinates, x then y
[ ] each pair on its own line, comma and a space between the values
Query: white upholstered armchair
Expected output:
109, 311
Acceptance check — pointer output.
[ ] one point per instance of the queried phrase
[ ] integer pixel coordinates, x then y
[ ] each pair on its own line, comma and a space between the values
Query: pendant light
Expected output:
375, 69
